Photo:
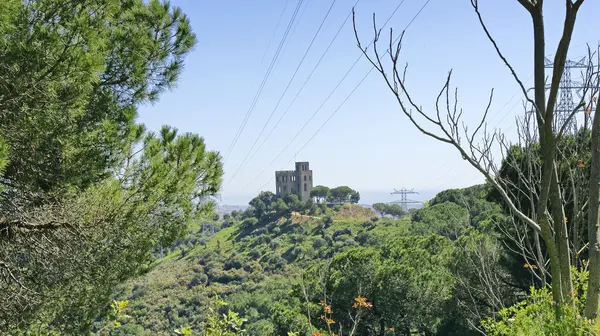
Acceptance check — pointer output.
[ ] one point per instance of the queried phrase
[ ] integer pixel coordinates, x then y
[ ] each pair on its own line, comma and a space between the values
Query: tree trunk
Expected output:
548, 145
562, 238
591, 307
548, 238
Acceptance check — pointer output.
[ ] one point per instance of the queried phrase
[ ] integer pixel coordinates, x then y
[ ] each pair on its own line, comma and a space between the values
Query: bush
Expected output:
368, 225
297, 238
318, 243
277, 262
198, 279
275, 244
235, 262
255, 253
261, 327
249, 223
252, 267
261, 231
365, 238
262, 240
346, 231
537, 315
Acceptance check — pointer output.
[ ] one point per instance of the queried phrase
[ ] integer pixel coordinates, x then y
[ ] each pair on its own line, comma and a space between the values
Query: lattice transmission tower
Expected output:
404, 201
572, 90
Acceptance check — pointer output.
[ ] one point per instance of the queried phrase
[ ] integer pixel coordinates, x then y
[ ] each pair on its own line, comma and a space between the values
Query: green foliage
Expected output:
88, 194
344, 194
226, 324
320, 193
339, 195
445, 219
484, 286
539, 316
408, 283
266, 206
394, 210
294, 204
275, 271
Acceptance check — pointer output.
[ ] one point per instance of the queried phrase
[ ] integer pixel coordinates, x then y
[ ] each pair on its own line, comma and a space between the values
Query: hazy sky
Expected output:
368, 144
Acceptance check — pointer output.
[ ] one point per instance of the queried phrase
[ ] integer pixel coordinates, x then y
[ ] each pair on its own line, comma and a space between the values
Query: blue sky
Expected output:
368, 144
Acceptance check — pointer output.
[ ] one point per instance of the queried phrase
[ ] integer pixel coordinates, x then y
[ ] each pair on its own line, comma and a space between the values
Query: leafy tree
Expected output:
354, 197
445, 219
320, 193
394, 210
71, 90
485, 284
281, 209
106, 234
344, 194
310, 207
294, 204
408, 283
88, 194
262, 205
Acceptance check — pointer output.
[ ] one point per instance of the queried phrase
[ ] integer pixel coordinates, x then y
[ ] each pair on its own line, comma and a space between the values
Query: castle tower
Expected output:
305, 180
298, 182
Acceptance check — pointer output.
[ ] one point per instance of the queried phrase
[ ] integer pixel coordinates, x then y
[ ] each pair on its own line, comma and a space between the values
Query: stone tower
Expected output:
299, 182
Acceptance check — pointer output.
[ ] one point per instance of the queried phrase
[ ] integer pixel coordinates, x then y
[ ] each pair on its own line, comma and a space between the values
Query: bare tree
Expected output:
591, 309
539, 183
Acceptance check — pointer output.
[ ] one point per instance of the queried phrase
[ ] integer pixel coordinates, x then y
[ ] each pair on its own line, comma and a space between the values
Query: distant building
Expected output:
299, 182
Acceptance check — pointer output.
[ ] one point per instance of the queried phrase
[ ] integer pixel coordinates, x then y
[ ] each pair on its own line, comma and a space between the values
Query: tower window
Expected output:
305, 178
305, 187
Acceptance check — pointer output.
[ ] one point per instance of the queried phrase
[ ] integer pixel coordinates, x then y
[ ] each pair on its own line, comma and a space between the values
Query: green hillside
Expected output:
267, 269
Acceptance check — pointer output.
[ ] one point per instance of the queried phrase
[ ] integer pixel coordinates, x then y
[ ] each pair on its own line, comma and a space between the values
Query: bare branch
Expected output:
475, 5
528, 5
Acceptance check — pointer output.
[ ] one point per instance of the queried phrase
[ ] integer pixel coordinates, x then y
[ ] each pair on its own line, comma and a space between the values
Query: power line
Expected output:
295, 27
287, 2
264, 81
303, 85
323, 125
284, 91
329, 96
353, 90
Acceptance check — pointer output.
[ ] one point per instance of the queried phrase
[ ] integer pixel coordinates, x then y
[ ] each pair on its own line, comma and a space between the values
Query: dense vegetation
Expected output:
109, 228
444, 271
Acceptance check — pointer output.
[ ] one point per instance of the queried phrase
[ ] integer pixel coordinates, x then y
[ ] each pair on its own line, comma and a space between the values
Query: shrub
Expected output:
235, 262
318, 243
346, 231
275, 244
538, 316
252, 267
255, 253
198, 279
